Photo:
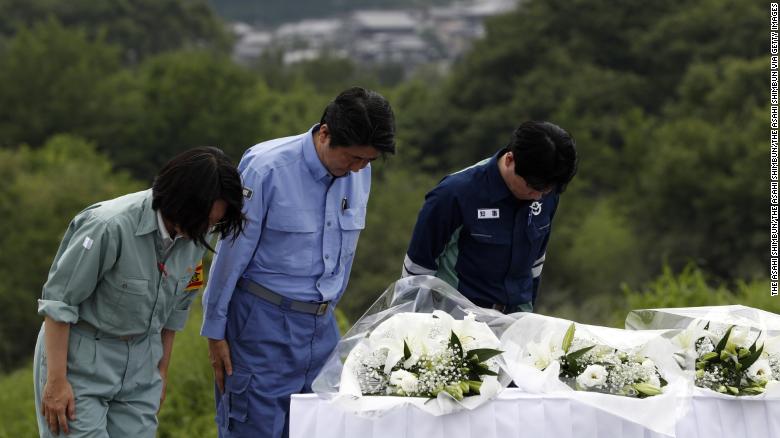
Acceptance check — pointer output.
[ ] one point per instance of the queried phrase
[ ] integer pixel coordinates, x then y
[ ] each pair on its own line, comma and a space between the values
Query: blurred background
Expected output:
667, 101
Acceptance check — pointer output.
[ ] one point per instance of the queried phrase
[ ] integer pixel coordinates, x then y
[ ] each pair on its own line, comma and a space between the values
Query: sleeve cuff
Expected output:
58, 311
213, 328
177, 320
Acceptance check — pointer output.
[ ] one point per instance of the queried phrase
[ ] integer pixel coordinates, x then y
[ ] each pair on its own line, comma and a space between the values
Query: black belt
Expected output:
274, 298
91, 330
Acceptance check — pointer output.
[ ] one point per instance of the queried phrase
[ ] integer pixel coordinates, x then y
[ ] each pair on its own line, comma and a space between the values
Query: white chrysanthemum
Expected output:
760, 370
594, 375
405, 380
649, 364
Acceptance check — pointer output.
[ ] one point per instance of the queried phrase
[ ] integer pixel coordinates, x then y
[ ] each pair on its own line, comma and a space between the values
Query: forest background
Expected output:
667, 101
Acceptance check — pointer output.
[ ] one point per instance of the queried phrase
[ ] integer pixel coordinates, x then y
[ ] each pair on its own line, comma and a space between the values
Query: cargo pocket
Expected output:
235, 400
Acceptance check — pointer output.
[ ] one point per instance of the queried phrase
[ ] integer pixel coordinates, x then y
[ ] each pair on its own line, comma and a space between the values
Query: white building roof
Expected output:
396, 20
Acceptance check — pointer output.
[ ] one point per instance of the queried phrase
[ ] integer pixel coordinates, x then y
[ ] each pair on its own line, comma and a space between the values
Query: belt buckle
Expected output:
127, 338
322, 308
499, 307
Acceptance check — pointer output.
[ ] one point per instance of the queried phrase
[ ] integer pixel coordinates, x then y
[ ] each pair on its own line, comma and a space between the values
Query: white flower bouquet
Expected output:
737, 361
424, 355
586, 365
632, 375
421, 343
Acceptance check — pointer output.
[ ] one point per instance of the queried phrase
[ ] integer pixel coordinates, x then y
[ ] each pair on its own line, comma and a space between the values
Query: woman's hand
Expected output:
58, 404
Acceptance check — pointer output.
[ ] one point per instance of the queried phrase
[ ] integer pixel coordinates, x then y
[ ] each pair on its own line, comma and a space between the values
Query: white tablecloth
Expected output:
515, 414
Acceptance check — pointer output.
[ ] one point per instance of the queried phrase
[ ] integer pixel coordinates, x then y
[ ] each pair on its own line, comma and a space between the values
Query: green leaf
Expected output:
723, 340
407, 351
483, 354
750, 360
474, 386
568, 338
455, 344
482, 370
574, 356
753, 347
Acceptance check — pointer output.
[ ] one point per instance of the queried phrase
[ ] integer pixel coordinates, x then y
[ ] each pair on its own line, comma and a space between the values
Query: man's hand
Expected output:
219, 355
56, 403
164, 377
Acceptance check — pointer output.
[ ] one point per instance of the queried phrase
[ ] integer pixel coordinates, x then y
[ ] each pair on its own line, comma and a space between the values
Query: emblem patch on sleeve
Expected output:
247, 193
196, 282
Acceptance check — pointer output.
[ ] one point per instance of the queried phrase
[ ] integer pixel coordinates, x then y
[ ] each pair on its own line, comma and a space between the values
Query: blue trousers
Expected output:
275, 352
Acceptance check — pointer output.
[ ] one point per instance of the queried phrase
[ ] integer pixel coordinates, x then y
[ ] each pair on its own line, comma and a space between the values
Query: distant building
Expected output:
409, 38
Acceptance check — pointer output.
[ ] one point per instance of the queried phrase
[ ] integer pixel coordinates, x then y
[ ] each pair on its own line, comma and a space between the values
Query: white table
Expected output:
515, 414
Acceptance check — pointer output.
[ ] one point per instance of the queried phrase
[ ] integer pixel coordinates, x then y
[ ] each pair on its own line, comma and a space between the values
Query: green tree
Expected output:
141, 27
698, 195
42, 190
692, 287
184, 99
52, 78
396, 197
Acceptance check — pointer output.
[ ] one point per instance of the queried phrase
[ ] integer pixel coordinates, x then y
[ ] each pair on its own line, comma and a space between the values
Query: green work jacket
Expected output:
112, 272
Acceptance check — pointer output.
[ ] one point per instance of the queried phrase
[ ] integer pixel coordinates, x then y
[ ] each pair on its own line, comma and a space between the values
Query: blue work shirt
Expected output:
301, 232
474, 234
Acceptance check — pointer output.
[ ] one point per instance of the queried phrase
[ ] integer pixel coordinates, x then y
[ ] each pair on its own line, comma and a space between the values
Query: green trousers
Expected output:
116, 384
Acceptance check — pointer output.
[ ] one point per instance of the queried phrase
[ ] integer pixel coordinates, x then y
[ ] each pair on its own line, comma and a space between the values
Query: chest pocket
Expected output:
289, 239
491, 236
125, 303
539, 227
351, 221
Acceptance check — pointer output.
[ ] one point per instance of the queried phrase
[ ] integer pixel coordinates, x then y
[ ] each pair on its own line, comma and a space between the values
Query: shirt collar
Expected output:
164, 234
318, 170
497, 186
148, 220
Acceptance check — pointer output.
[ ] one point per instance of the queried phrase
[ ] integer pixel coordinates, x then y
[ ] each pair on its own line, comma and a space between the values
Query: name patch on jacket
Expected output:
196, 282
487, 213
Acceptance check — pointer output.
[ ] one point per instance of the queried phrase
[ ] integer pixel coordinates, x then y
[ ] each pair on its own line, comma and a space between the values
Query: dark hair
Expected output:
545, 155
360, 117
185, 190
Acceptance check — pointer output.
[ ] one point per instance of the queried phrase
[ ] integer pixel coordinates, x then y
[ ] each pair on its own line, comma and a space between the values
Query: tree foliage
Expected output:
667, 102
42, 190
140, 27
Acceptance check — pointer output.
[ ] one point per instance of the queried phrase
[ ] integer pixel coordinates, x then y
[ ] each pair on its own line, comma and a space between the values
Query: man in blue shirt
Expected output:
268, 306
484, 230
